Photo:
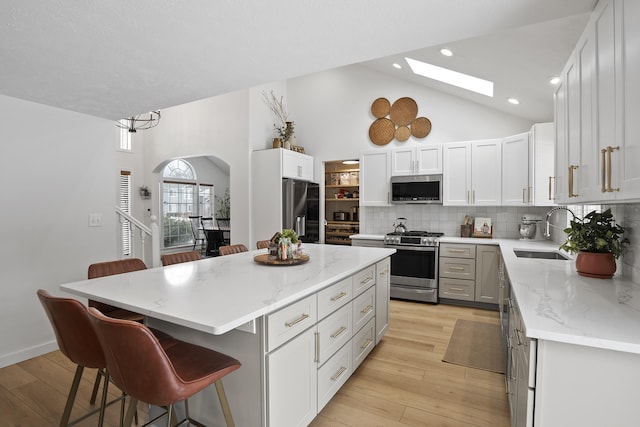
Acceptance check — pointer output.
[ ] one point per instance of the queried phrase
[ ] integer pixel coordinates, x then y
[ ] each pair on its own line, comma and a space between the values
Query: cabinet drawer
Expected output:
333, 374
364, 308
288, 322
333, 333
363, 279
363, 342
457, 289
457, 250
334, 297
458, 268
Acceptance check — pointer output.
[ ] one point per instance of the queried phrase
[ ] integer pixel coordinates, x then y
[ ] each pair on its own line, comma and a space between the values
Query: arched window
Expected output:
182, 196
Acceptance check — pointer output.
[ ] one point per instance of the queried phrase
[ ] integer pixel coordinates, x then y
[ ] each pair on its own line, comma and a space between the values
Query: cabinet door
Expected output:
573, 130
560, 185
516, 186
403, 161
428, 159
297, 165
542, 143
629, 94
374, 178
292, 382
383, 269
456, 185
486, 176
487, 278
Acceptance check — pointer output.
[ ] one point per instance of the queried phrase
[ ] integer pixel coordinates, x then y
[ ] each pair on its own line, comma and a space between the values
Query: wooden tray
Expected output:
264, 259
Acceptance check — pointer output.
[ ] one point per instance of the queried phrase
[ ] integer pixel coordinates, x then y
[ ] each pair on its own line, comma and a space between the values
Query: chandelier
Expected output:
140, 122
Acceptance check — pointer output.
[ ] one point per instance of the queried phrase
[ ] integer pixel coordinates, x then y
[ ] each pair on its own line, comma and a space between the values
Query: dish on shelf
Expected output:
264, 259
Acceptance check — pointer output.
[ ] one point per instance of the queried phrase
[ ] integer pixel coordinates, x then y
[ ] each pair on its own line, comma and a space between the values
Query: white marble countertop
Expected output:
216, 295
559, 305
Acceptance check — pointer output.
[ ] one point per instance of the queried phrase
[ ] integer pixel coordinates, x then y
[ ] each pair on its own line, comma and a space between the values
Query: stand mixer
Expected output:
528, 226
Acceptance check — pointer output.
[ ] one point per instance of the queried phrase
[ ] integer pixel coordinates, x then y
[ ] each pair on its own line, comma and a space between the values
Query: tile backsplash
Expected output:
506, 220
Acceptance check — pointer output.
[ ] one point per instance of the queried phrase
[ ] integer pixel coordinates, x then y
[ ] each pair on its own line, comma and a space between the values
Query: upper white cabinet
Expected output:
596, 108
472, 173
296, 165
528, 168
421, 160
374, 178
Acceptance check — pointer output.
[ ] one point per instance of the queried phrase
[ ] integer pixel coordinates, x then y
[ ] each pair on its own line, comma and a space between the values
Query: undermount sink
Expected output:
523, 253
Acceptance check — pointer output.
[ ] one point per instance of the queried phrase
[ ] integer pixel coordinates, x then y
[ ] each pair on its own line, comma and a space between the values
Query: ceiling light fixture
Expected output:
446, 52
464, 81
554, 80
396, 65
140, 122
350, 162
513, 101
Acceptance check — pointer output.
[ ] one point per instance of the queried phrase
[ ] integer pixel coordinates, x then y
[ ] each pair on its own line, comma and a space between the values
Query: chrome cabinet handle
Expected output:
317, 347
298, 320
550, 196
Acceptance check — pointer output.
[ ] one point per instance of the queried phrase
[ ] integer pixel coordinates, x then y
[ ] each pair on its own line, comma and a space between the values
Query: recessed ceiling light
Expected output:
454, 78
446, 52
513, 101
350, 162
554, 80
396, 65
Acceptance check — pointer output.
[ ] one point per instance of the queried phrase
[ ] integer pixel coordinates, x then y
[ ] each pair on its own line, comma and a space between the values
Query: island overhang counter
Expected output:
231, 304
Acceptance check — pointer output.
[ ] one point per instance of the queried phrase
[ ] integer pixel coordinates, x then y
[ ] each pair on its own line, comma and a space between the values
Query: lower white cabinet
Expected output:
292, 390
315, 344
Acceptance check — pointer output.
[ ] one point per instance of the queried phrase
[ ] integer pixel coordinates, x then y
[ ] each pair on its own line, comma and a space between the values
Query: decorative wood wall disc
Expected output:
402, 133
421, 127
381, 131
404, 111
380, 107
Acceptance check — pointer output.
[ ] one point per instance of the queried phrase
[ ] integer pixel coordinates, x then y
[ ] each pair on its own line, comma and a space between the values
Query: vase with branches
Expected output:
285, 128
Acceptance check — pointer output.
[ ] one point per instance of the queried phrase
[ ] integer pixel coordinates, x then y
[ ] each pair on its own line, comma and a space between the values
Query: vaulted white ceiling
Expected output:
116, 58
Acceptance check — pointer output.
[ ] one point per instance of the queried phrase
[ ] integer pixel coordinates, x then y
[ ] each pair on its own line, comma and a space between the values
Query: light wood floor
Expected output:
403, 382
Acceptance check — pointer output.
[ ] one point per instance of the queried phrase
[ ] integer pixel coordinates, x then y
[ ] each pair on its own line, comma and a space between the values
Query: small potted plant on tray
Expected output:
598, 241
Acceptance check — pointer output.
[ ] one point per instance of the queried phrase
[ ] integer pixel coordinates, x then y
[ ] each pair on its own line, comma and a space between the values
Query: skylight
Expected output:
464, 81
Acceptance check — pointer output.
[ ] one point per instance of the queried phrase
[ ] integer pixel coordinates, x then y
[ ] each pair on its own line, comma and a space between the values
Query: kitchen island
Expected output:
299, 331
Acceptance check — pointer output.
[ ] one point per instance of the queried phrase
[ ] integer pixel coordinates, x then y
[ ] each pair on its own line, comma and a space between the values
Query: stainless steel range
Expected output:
414, 266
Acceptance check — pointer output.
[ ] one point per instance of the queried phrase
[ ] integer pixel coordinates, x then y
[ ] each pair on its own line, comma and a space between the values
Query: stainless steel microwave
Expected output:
416, 189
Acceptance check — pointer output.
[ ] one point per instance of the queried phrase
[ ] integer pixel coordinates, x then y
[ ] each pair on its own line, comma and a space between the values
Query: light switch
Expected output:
95, 220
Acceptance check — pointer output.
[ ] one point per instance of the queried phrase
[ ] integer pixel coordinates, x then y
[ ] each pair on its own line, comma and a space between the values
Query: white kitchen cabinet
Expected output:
472, 173
375, 167
541, 152
421, 160
296, 165
292, 388
517, 177
560, 178
383, 295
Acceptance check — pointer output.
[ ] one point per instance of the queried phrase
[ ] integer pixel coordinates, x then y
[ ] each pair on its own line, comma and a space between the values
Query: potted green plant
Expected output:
598, 241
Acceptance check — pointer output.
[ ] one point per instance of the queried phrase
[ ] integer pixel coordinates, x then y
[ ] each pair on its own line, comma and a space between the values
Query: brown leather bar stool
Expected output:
232, 249
179, 257
110, 268
159, 376
78, 341
262, 244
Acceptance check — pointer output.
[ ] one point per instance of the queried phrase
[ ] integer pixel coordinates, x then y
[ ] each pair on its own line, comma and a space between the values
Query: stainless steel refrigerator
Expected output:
301, 209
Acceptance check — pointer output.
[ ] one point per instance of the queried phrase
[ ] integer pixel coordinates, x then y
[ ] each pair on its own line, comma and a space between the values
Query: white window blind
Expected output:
125, 205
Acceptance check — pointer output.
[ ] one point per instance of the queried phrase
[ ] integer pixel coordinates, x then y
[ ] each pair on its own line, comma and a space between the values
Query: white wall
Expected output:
57, 167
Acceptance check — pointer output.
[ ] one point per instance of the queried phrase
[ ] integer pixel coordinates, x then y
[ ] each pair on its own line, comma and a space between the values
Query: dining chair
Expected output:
232, 249
159, 376
263, 244
198, 232
179, 257
78, 341
224, 224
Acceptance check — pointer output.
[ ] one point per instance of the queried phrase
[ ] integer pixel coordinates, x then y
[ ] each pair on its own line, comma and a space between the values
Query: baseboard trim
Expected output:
27, 353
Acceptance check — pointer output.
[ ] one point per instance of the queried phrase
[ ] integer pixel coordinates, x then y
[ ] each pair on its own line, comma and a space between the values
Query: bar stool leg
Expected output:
64, 421
128, 419
224, 403
96, 385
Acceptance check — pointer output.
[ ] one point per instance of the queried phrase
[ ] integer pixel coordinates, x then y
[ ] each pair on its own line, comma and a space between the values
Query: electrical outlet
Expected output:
95, 220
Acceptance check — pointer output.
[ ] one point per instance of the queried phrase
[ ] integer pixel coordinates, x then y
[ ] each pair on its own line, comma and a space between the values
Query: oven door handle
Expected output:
413, 248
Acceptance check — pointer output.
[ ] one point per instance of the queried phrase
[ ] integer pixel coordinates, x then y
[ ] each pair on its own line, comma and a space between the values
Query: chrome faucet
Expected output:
547, 224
